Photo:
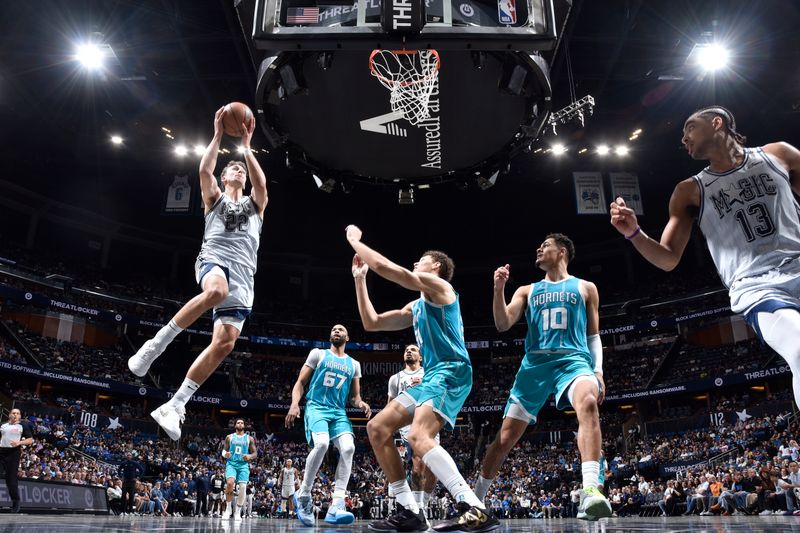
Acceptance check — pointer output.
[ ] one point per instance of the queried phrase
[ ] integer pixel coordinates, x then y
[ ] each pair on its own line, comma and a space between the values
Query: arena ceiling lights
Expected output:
710, 57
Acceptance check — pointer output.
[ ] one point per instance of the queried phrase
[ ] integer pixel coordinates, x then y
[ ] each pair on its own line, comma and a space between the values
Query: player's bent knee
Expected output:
376, 431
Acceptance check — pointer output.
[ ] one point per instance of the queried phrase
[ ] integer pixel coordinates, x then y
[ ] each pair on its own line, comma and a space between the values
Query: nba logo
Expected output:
507, 11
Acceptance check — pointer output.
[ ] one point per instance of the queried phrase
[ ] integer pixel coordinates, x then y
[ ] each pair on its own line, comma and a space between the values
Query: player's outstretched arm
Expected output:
506, 315
355, 397
209, 189
666, 253
297, 393
789, 156
257, 178
413, 281
371, 320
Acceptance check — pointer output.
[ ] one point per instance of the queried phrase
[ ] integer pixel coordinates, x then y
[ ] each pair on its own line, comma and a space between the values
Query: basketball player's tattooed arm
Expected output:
666, 253
394, 320
789, 156
252, 451
355, 397
257, 178
506, 316
297, 393
209, 188
435, 288
226, 446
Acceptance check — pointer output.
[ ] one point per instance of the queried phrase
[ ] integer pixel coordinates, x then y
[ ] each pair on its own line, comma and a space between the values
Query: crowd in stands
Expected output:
538, 480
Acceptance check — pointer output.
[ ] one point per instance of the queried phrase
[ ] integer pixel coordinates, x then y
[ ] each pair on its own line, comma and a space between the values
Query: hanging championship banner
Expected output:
178, 195
589, 195
626, 185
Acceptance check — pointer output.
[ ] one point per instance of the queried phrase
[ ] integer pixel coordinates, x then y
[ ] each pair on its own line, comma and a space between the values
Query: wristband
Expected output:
635, 233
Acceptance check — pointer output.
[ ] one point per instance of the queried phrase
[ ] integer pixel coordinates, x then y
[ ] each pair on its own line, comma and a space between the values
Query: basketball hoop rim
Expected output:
404, 52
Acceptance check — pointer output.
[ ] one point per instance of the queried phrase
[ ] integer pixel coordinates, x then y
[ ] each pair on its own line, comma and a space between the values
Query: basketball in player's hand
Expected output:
236, 114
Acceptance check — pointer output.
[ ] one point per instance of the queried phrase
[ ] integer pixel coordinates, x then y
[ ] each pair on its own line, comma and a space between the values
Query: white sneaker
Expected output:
237, 515
139, 363
170, 417
765, 512
226, 514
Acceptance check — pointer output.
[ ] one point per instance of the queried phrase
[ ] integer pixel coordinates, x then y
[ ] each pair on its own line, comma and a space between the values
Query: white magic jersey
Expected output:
232, 233
749, 217
402, 381
288, 477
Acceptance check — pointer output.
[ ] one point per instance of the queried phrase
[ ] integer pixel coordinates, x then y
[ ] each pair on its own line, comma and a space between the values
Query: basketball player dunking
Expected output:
239, 451
563, 356
288, 481
422, 479
334, 380
437, 400
224, 270
744, 205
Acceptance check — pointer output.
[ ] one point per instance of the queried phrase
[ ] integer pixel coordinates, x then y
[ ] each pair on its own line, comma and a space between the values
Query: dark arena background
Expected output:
547, 110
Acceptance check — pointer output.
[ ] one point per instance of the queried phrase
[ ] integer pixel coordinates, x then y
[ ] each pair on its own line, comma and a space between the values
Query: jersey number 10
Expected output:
555, 318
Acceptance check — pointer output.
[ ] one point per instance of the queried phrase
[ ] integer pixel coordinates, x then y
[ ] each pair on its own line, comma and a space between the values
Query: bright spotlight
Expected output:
116, 139
621, 150
712, 57
90, 55
603, 149
181, 150
241, 149
199, 149
559, 149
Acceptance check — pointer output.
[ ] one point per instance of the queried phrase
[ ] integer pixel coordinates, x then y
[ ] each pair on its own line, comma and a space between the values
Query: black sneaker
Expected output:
469, 520
14, 507
402, 520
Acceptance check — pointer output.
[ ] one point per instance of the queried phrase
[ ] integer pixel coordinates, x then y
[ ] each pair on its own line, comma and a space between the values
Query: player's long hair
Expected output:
727, 119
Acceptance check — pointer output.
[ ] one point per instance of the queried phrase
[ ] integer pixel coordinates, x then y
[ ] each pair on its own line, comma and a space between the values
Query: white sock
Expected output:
404, 496
188, 387
167, 334
337, 499
591, 473
446, 471
419, 497
482, 487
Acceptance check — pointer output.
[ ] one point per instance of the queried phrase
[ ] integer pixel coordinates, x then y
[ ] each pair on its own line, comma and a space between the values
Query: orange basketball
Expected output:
236, 113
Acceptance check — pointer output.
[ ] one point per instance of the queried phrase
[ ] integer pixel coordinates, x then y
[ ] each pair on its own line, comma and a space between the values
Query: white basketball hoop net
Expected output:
410, 76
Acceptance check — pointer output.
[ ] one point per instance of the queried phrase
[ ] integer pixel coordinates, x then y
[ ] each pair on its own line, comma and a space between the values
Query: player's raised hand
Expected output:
292, 415
353, 233
248, 128
359, 268
501, 276
623, 217
218, 116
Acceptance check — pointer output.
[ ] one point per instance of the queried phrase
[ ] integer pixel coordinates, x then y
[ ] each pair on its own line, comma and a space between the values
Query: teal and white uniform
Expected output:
236, 467
556, 351
328, 393
448, 371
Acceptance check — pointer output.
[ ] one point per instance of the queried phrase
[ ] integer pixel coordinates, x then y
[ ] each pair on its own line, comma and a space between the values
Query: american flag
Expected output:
302, 15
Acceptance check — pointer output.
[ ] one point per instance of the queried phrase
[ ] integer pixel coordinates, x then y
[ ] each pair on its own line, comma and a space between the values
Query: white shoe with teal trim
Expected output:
338, 515
305, 512
594, 505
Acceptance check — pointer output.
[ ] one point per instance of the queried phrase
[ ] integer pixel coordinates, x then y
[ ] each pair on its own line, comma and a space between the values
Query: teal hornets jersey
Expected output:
439, 330
556, 316
239, 446
330, 384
